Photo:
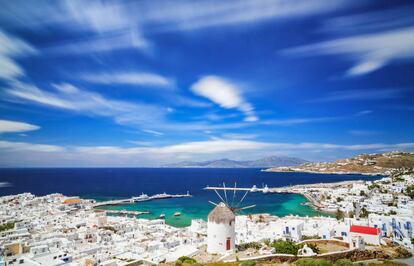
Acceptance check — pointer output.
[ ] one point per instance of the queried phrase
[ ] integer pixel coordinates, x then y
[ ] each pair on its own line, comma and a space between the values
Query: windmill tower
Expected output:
221, 225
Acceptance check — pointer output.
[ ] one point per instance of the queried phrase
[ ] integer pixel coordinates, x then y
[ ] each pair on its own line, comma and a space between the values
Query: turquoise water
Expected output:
198, 208
116, 183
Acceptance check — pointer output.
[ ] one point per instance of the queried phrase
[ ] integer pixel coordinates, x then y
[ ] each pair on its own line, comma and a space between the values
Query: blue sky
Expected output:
143, 83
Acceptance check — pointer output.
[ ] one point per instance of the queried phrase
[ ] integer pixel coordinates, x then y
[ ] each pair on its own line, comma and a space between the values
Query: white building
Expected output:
221, 232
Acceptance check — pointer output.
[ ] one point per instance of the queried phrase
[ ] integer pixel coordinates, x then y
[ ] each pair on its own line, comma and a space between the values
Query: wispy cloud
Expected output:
190, 15
370, 52
114, 25
10, 48
224, 93
130, 78
299, 121
69, 97
8, 126
155, 155
153, 132
359, 95
24, 146
359, 132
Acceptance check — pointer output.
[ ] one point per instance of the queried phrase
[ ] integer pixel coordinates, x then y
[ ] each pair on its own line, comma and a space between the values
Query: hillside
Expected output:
272, 161
375, 164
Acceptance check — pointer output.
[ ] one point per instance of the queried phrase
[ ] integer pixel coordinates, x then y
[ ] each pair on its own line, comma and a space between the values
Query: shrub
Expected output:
285, 247
7, 226
312, 262
254, 245
185, 260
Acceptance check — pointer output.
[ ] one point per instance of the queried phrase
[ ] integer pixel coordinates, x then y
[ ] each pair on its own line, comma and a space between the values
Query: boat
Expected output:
177, 213
265, 189
254, 189
162, 216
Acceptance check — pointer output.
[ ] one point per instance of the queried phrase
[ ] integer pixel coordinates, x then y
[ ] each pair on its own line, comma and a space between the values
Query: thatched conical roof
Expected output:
221, 214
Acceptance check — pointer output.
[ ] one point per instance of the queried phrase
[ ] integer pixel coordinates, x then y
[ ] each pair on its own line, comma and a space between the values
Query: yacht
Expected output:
254, 189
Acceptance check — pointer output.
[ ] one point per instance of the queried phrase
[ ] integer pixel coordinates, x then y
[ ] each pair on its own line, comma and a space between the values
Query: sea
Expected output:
117, 183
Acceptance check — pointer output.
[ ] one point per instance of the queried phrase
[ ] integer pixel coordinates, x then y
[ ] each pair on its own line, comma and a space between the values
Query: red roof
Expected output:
364, 230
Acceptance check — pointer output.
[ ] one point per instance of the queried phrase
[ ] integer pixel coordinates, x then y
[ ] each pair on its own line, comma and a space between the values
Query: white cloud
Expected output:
97, 43
69, 97
153, 132
224, 93
359, 95
130, 78
24, 146
7, 126
370, 52
144, 155
190, 15
10, 48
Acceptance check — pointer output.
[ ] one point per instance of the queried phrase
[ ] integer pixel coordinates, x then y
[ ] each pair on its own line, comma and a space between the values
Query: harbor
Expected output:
141, 198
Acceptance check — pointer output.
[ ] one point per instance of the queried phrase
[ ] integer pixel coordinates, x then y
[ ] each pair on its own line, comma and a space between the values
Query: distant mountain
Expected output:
272, 161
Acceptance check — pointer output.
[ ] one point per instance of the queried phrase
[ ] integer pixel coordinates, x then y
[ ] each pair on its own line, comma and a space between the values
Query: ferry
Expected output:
177, 214
265, 189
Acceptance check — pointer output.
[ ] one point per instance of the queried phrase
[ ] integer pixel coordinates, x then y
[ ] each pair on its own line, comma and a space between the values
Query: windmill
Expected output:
221, 230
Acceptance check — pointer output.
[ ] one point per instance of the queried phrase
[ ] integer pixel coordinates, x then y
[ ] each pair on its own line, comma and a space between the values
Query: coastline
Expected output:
275, 170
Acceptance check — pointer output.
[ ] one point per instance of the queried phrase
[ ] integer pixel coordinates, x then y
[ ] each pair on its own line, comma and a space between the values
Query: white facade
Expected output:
221, 234
220, 237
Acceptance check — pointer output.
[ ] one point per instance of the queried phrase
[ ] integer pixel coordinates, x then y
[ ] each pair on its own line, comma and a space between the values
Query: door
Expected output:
228, 244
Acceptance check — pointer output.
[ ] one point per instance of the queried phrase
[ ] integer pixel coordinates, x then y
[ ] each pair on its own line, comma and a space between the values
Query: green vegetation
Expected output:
184, 260
312, 262
7, 226
248, 263
244, 246
387, 263
410, 191
343, 262
285, 247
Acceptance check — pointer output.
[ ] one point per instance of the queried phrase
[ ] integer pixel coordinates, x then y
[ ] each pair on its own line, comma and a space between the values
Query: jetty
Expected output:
125, 212
142, 197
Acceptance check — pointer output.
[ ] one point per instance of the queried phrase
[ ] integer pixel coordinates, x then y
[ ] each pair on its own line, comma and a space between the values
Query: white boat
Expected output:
177, 214
162, 216
254, 189
265, 189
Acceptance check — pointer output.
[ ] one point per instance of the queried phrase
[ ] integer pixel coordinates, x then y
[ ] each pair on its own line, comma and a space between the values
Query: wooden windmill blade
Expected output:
246, 207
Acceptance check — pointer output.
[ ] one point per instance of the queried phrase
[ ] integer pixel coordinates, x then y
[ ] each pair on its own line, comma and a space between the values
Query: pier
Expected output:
125, 212
142, 197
